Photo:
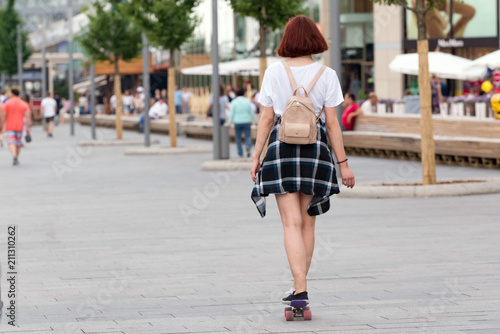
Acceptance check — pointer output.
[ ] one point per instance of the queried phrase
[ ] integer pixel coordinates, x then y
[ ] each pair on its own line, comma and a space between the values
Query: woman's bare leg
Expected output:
308, 225
291, 217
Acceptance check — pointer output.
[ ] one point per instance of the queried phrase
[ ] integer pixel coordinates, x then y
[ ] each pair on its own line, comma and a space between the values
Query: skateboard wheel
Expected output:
307, 315
288, 309
289, 315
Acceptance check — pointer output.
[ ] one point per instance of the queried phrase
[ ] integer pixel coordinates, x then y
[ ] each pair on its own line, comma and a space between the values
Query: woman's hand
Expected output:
255, 168
347, 176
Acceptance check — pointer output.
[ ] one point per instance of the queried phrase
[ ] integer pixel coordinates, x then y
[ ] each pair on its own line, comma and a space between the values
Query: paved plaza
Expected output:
109, 243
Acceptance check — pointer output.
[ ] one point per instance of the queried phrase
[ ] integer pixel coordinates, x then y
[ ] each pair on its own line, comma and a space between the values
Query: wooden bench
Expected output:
466, 142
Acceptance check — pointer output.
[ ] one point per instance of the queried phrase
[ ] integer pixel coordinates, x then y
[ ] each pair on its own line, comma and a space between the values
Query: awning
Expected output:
444, 65
84, 86
491, 60
249, 66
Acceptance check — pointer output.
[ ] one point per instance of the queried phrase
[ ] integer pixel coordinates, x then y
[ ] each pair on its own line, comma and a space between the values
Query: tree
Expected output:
271, 14
420, 8
168, 24
9, 19
112, 36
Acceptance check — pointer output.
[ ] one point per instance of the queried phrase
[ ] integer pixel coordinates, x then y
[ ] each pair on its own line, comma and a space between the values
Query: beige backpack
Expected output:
299, 121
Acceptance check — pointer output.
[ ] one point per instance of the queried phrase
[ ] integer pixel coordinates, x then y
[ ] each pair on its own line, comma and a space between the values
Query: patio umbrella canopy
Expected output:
249, 66
491, 60
444, 65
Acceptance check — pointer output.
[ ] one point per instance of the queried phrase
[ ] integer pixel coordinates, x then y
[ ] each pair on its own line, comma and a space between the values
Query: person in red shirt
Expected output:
15, 114
351, 110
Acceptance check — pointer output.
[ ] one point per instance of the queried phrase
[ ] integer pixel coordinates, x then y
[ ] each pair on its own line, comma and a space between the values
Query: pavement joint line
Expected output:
484, 186
114, 142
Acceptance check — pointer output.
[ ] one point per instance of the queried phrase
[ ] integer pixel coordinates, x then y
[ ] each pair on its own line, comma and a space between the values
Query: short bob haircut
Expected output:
301, 38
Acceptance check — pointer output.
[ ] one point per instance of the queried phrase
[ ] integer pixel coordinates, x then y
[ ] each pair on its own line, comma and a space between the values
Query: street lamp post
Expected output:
44, 58
20, 60
215, 84
70, 74
92, 99
147, 89
335, 51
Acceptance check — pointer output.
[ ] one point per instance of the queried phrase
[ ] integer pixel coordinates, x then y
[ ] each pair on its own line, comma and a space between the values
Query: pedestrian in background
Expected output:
242, 116
58, 108
128, 100
231, 94
112, 101
49, 106
178, 100
437, 96
138, 105
14, 117
223, 105
159, 109
351, 111
186, 100
82, 103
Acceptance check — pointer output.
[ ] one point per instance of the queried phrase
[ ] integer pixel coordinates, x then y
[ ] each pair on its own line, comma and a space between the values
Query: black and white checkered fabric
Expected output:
289, 168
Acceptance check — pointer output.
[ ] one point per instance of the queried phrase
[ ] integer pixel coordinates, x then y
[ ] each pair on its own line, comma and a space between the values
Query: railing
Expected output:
453, 107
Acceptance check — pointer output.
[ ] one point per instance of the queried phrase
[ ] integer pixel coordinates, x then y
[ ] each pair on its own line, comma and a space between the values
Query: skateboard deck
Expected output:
298, 308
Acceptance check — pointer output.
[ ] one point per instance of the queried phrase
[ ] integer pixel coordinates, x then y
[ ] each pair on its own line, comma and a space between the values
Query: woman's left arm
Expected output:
265, 125
335, 134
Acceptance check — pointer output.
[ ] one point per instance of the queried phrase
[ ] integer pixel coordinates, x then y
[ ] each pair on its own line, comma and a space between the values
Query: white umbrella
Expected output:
444, 65
249, 66
491, 60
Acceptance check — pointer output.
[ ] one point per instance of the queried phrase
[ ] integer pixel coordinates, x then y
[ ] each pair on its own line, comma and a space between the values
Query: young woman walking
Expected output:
302, 177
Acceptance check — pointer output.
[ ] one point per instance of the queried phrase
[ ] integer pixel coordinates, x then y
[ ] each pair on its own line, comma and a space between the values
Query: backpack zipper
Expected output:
298, 102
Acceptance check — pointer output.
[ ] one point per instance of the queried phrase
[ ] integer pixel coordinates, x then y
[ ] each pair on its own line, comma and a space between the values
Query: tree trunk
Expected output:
119, 101
262, 47
426, 125
421, 28
171, 100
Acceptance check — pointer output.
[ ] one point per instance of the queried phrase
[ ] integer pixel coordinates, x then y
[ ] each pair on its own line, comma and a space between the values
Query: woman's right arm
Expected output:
265, 125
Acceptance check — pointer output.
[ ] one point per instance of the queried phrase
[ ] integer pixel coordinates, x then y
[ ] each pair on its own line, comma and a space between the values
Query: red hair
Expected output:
301, 38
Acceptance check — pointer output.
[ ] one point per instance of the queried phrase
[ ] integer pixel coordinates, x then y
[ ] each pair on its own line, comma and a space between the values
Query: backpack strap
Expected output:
316, 78
290, 75
321, 113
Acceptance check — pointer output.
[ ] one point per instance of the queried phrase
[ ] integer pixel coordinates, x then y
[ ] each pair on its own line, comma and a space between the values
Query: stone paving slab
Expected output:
165, 150
151, 244
115, 142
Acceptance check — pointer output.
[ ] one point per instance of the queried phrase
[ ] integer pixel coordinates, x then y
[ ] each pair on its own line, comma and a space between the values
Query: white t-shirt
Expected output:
49, 107
186, 96
367, 107
223, 105
276, 87
127, 100
113, 101
158, 110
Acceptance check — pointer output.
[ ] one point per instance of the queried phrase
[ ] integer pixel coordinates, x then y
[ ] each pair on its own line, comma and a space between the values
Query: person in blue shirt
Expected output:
178, 100
242, 115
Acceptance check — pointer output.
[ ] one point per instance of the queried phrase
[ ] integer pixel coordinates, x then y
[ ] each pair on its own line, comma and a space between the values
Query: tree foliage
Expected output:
271, 14
9, 19
168, 23
110, 34
425, 6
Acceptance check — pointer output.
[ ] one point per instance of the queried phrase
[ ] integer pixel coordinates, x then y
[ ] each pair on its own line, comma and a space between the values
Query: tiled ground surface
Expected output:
109, 243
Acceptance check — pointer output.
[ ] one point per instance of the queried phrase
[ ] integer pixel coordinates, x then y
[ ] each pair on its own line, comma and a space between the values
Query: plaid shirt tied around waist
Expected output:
288, 168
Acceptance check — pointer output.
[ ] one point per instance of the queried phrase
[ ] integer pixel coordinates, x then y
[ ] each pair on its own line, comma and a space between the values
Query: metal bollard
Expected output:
224, 142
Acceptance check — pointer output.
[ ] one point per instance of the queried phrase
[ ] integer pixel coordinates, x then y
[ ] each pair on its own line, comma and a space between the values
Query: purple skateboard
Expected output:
298, 308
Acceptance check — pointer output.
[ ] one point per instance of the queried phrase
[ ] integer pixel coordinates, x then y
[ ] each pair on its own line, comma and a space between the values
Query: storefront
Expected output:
356, 21
471, 31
